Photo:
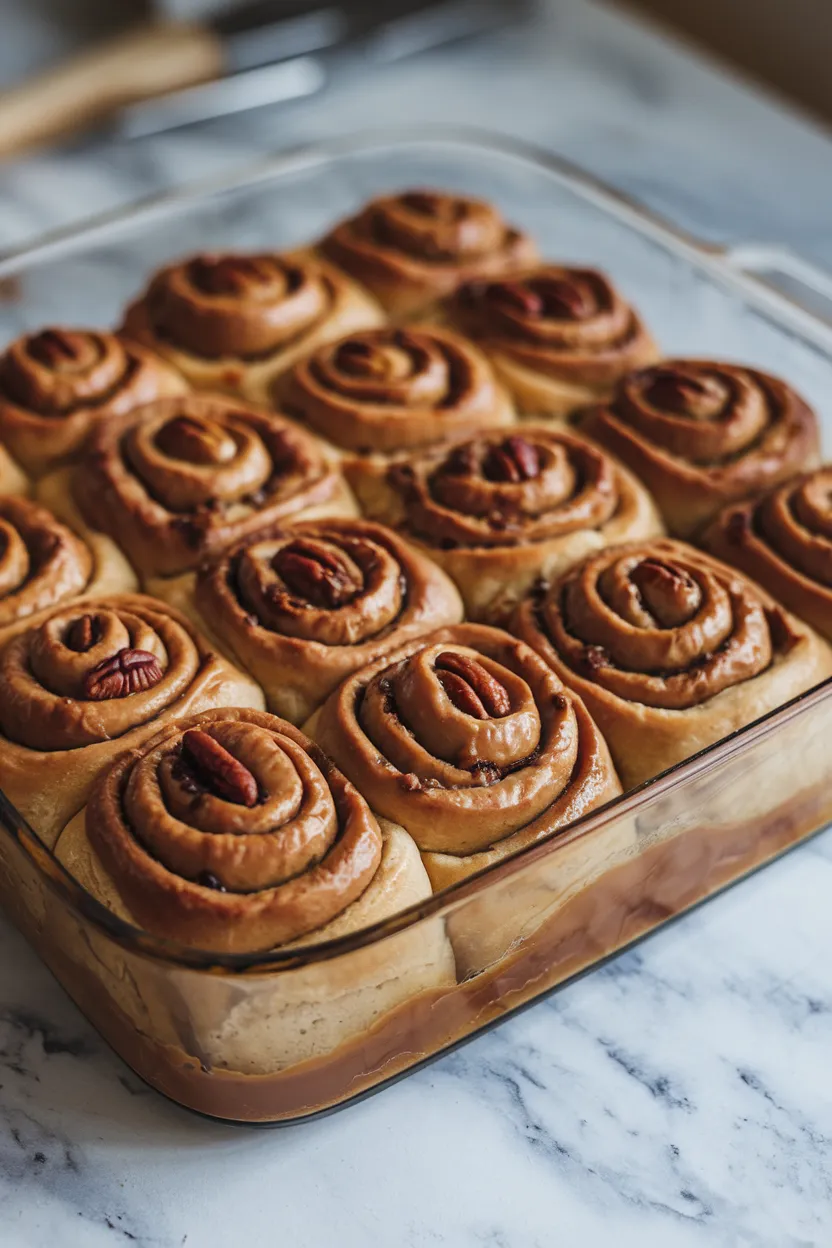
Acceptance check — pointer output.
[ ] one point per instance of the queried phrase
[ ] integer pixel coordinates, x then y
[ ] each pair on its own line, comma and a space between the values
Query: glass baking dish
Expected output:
281, 1035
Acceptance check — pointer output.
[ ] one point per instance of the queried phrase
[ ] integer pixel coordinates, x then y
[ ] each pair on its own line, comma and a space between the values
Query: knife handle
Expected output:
137, 65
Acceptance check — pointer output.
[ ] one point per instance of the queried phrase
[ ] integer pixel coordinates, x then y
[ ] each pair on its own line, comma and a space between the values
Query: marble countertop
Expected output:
677, 1098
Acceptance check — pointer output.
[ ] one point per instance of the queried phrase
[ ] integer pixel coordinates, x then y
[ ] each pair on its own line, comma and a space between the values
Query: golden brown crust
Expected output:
500, 513
415, 247
44, 562
303, 607
388, 390
468, 741
560, 338
700, 434
13, 480
784, 541
235, 322
184, 478
670, 649
196, 863
89, 680
57, 386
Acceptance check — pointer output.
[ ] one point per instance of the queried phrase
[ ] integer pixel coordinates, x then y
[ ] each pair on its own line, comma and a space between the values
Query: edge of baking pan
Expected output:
739, 269
439, 904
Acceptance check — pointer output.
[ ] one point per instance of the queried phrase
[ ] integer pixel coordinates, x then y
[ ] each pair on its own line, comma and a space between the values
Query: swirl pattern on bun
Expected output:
701, 434
231, 831
44, 563
58, 385
182, 479
470, 742
303, 607
89, 680
670, 649
413, 248
499, 512
235, 322
388, 390
560, 338
784, 541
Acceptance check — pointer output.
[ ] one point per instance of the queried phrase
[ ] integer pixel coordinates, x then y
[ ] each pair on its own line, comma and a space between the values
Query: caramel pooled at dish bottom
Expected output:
663, 880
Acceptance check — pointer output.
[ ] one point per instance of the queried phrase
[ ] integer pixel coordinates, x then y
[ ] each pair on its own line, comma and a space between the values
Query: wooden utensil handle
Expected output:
134, 66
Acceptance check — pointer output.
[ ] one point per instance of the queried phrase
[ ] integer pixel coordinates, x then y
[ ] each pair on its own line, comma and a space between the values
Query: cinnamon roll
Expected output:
388, 390
181, 479
413, 248
701, 434
44, 563
57, 386
470, 742
231, 831
235, 322
303, 607
91, 679
559, 338
670, 649
500, 513
784, 541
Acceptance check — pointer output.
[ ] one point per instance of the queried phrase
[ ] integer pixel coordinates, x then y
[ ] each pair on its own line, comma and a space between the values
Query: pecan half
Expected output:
60, 348
514, 460
315, 574
564, 299
231, 275
686, 394
670, 594
220, 770
83, 633
515, 296
470, 687
363, 359
129, 671
196, 441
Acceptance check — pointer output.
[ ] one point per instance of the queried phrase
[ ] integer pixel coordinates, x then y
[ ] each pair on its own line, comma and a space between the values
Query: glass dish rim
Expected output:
713, 259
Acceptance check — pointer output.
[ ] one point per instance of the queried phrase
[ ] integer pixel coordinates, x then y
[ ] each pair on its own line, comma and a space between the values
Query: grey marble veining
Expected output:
677, 1098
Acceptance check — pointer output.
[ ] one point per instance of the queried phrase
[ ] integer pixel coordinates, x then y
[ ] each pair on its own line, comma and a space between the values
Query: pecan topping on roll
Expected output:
91, 672
784, 540
391, 389
271, 842
467, 740
670, 649
128, 671
471, 687
495, 491
304, 606
42, 562
83, 632
90, 679
701, 434
57, 385
674, 628
314, 571
569, 328
499, 512
219, 769
413, 248
184, 478
234, 321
